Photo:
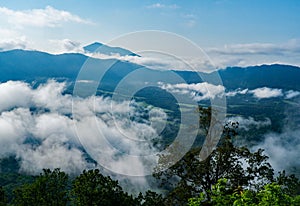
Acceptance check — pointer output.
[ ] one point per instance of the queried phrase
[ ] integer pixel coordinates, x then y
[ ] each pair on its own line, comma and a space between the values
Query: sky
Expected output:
231, 32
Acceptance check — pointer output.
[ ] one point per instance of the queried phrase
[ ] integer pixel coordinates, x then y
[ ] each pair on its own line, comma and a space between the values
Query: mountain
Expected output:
276, 75
32, 65
252, 77
104, 49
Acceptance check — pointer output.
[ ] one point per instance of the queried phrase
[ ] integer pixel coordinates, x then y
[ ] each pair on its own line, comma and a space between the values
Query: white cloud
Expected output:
291, 94
157, 62
17, 43
259, 48
48, 17
266, 92
14, 94
10, 39
43, 115
7, 33
237, 91
247, 123
190, 20
162, 6
66, 46
13, 39
199, 91
14, 127
282, 149
49, 96
250, 54
52, 155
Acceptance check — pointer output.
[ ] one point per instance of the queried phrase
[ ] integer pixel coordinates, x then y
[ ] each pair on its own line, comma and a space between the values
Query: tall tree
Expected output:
3, 199
151, 198
289, 183
191, 175
92, 188
50, 188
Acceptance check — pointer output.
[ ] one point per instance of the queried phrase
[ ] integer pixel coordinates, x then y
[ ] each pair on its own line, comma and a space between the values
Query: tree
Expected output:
273, 195
289, 183
151, 198
270, 195
50, 188
92, 188
3, 199
191, 175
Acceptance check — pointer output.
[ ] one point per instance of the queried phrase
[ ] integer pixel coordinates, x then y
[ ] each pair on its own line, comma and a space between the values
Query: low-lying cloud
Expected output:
283, 150
264, 93
10, 44
199, 91
66, 46
206, 91
291, 94
235, 92
161, 62
37, 126
249, 122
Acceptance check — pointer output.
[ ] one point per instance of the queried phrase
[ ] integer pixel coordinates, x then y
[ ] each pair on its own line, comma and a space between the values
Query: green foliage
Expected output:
89, 188
92, 188
195, 201
221, 193
271, 195
50, 188
245, 198
10, 181
296, 200
151, 198
191, 176
290, 183
3, 199
205, 117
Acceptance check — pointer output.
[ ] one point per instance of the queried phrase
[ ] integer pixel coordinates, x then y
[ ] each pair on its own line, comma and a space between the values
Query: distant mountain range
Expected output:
33, 65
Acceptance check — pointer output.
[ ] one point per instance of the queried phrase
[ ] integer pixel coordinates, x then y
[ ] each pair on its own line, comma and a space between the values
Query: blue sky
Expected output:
250, 32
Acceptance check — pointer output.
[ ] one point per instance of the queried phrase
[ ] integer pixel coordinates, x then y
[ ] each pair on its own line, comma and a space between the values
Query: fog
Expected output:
38, 127
283, 148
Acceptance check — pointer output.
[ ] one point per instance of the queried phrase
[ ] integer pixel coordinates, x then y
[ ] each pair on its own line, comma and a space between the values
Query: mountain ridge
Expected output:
25, 64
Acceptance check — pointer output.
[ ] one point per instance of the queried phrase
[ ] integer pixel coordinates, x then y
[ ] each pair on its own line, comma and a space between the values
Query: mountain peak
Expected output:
94, 44
107, 50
